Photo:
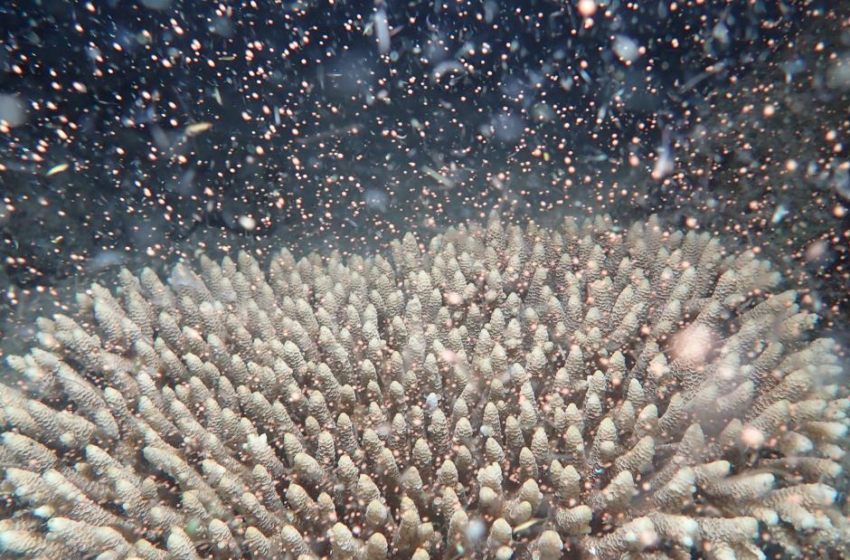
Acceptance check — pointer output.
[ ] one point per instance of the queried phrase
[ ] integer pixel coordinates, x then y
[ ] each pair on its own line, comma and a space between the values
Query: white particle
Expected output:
247, 223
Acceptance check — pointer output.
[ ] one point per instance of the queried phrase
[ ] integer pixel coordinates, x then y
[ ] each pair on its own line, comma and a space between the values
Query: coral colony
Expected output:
495, 392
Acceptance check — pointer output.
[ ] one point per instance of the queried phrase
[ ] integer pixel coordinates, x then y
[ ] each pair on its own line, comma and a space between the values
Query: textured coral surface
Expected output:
584, 391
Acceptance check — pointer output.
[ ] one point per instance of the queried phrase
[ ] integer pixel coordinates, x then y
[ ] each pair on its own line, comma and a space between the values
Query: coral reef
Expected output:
501, 391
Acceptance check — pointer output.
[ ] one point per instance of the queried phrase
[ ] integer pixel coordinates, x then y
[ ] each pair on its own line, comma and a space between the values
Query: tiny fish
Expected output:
196, 128
56, 169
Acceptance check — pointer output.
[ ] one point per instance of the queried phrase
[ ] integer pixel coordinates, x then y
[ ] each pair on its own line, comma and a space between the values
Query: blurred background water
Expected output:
138, 132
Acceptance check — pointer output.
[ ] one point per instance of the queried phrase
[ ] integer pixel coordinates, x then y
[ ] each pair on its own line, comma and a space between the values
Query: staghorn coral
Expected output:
585, 392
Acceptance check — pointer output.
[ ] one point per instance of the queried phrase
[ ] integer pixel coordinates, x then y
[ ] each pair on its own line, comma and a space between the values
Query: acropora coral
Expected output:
494, 392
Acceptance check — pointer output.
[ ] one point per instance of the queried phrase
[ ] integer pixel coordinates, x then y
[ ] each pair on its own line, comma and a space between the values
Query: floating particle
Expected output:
586, 7
5, 213
527, 525
56, 169
626, 48
476, 530
779, 214
442, 179
197, 128
382, 31
663, 165
816, 250
13, 110
752, 437
432, 401
721, 33
247, 223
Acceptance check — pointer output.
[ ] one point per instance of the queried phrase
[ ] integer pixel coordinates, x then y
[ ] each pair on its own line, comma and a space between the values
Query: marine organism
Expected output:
493, 392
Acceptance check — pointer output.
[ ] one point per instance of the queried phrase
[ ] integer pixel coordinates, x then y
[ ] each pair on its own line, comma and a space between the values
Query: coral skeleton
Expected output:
581, 391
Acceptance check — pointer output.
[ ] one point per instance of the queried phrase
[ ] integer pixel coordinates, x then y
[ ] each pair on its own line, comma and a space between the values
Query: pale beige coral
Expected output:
497, 392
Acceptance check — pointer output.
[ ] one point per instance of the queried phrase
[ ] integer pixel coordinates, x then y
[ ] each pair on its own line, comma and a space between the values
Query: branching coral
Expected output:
584, 392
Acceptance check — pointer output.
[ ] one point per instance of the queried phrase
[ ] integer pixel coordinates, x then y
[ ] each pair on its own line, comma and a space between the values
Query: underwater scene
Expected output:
444, 279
